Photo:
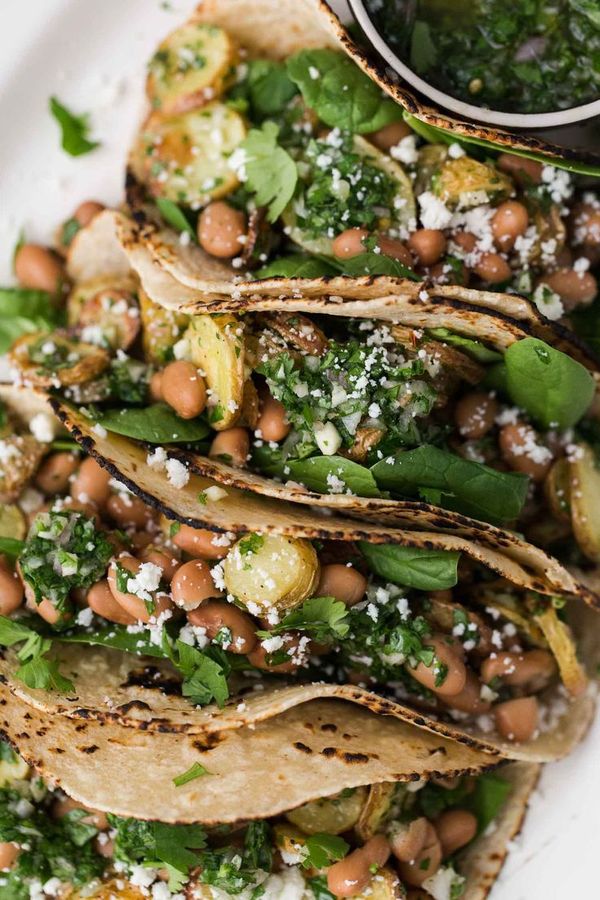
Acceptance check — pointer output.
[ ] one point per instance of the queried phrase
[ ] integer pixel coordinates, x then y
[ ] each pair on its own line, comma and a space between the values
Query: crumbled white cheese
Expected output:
177, 473
43, 428
327, 438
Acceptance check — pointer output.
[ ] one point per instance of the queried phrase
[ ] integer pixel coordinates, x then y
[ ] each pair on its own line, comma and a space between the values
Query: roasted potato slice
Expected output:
584, 493
51, 360
377, 808
105, 311
12, 770
192, 66
289, 840
465, 182
265, 572
431, 159
561, 643
385, 885
217, 347
161, 329
557, 490
186, 158
20, 455
116, 889
330, 815
13, 523
404, 213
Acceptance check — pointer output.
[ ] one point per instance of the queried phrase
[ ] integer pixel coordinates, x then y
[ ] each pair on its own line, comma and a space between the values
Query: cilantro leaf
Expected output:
323, 849
43, 674
36, 671
174, 215
74, 129
148, 843
24, 311
204, 673
340, 93
270, 171
195, 771
323, 617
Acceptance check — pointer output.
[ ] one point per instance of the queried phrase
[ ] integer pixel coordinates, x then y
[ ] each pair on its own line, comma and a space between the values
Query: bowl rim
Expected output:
467, 110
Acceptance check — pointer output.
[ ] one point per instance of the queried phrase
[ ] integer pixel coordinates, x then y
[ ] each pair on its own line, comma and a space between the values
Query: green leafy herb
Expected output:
553, 388
324, 618
204, 673
427, 570
453, 482
233, 870
128, 380
195, 771
68, 231
341, 95
334, 475
471, 347
323, 849
174, 528
24, 311
154, 843
485, 801
64, 551
74, 129
36, 671
270, 88
11, 547
175, 216
251, 544
7, 754
318, 886
115, 636
372, 263
156, 424
270, 171
296, 266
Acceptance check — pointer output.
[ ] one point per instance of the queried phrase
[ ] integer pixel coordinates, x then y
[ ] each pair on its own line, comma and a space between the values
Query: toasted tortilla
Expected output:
142, 693
308, 752
239, 510
186, 279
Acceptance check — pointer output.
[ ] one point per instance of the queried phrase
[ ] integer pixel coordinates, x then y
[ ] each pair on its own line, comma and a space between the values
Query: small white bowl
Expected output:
468, 110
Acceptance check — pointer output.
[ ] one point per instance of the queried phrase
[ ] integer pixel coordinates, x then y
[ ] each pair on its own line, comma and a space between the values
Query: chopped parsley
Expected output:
64, 551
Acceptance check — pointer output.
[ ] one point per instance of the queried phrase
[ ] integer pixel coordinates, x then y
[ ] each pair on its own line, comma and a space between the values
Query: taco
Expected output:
115, 613
358, 842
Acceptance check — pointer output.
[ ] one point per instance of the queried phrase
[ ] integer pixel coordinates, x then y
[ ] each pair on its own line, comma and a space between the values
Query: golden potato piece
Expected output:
161, 329
192, 66
51, 360
376, 809
431, 159
268, 572
217, 347
20, 455
584, 494
465, 182
331, 815
385, 885
13, 523
111, 890
186, 158
557, 490
561, 643
289, 840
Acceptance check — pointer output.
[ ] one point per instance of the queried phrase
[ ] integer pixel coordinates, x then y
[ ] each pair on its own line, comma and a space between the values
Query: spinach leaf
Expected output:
269, 461
74, 129
471, 347
117, 637
296, 266
333, 475
269, 87
427, 570
553, 388
371, 263
23, 311
269, 171
11, 547
157, 424
341, 95
175, 216
455, 483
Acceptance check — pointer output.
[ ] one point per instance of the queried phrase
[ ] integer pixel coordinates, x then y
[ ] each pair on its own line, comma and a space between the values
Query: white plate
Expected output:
91, 54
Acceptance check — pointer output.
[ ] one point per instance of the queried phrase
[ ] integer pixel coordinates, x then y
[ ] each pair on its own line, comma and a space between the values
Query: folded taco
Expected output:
445, 837
114, 612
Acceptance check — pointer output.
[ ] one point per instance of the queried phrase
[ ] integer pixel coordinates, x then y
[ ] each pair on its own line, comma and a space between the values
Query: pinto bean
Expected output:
221, 230
396, 249
408, 838
492, 268
199, 542
455, 829
100, 599
91, 484
475, 414
39, 268
233, 444
258, 657
272, 422
575, 288
390, 135
155, 387
131, 603
426, 863
11, 588
9, 853
129, 511
65, 805
345, 583
517, 720
508, 222
525, 171
216, 615
193, 583
519, 669
162, 558
53, 475
183, 388
87, 211
349, 243
469, 699
522, 452
353, 874
447, 656
428, 245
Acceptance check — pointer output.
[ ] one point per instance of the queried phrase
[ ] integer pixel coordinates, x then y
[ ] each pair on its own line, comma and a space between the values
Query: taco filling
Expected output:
375, 841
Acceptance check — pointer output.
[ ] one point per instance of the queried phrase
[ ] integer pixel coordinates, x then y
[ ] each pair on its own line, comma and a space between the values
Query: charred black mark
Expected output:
345, 756
91, 749
132, 704
208, 742
329, 726
302, 747
435, 750
58, 750
81, 727
151, 678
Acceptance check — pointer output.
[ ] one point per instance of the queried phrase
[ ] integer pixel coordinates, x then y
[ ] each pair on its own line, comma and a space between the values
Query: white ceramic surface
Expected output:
91, 54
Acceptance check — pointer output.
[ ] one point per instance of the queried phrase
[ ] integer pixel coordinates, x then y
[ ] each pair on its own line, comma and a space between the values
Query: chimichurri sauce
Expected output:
525, 56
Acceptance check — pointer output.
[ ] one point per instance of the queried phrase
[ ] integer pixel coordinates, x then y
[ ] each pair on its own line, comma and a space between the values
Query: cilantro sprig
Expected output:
74, 129
323, 618
269, 170
36, 670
